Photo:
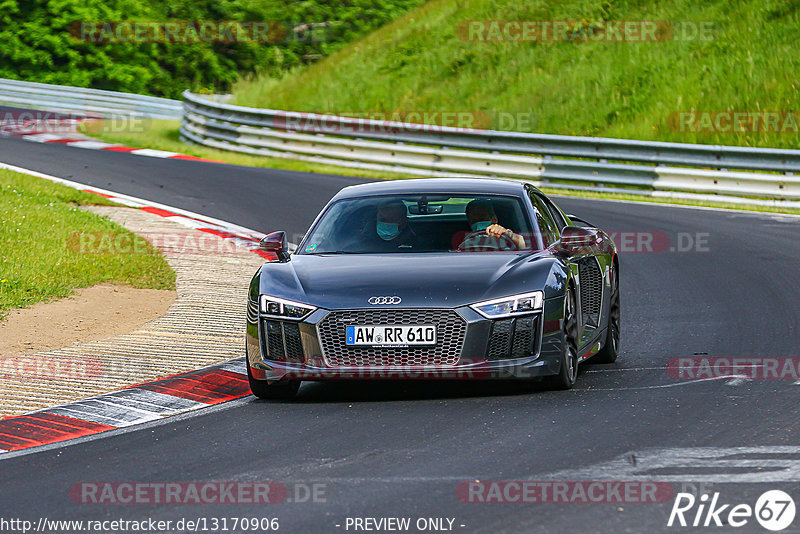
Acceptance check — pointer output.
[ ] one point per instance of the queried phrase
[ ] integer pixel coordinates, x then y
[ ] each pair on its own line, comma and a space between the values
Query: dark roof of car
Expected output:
434, 185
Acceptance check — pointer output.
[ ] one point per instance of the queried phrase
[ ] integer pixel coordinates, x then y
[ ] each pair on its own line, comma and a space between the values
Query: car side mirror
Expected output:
275, 242
577, 240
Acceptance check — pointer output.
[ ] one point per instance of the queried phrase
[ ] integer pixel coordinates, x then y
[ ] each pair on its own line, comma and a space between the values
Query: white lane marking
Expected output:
90, 144
150, 152
695, 464
621, 370
664, 368
659, 386
738, 381
42, 137
191, 223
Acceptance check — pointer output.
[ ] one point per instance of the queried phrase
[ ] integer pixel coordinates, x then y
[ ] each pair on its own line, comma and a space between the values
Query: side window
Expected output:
544, 220
558, 217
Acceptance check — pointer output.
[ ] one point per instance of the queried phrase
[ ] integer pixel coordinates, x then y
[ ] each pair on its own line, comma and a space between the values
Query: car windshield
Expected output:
422, 223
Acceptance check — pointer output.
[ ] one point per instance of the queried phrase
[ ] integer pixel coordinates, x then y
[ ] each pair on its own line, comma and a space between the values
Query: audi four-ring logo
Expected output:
385, 300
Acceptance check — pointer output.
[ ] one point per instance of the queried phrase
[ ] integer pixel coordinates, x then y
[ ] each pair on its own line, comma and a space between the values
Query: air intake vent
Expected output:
500, 341
294, 347
512, 338
281, 341
523, 337
275, 351
591, 291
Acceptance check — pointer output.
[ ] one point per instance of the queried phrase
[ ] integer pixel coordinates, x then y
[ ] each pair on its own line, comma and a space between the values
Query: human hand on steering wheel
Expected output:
495, 230
499, 241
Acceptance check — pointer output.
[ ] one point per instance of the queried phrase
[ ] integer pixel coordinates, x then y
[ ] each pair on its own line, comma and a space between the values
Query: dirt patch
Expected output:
92, 313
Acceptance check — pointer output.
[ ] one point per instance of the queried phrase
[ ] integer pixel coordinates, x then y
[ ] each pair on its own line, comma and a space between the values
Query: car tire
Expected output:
610, 350
275, 390
568, 371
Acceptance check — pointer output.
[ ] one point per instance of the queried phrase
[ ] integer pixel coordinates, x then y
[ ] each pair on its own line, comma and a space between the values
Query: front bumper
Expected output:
482, 354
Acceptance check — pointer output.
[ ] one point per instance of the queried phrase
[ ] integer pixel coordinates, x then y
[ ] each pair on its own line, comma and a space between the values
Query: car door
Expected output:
587, 269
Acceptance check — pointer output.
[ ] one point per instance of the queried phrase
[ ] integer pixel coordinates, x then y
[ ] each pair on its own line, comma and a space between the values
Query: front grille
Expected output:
591, 290
450, 331
511, 338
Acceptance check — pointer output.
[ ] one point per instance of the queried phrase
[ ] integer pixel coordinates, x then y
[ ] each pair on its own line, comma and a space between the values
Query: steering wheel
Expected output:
485, 247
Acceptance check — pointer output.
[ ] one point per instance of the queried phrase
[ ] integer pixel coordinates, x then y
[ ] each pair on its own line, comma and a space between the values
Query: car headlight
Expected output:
510, 306
284, 309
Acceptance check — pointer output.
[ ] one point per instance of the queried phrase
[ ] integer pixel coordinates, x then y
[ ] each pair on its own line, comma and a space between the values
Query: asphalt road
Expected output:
400, 449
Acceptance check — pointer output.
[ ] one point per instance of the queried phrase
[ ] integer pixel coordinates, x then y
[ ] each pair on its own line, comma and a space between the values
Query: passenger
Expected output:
391, 232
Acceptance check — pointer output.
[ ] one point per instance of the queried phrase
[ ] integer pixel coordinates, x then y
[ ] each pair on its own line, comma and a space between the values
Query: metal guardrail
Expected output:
86, 101
639, 167
589, 163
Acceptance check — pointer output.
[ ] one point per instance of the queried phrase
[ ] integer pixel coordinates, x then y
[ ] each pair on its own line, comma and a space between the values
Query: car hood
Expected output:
420, 280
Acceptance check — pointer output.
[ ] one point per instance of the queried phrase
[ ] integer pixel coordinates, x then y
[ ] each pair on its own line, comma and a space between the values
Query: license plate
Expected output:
378, 335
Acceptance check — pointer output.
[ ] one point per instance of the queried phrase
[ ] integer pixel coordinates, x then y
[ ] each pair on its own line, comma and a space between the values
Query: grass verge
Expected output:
40, 221
711, 59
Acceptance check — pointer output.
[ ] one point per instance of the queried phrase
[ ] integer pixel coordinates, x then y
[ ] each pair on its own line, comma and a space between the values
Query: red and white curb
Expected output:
239, 235
145, 402
76, 142
40, 127
142, 403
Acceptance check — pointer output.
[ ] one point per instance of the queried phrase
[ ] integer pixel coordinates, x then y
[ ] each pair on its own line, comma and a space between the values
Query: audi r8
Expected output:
434, 278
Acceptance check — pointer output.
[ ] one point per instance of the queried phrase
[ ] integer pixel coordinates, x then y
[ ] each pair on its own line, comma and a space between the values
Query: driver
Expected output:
486, 233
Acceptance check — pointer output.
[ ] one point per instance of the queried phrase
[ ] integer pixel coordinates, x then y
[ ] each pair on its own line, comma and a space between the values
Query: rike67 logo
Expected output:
774, 510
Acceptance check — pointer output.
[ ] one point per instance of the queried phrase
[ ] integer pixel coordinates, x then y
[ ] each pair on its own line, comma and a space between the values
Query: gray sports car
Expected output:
432, 279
